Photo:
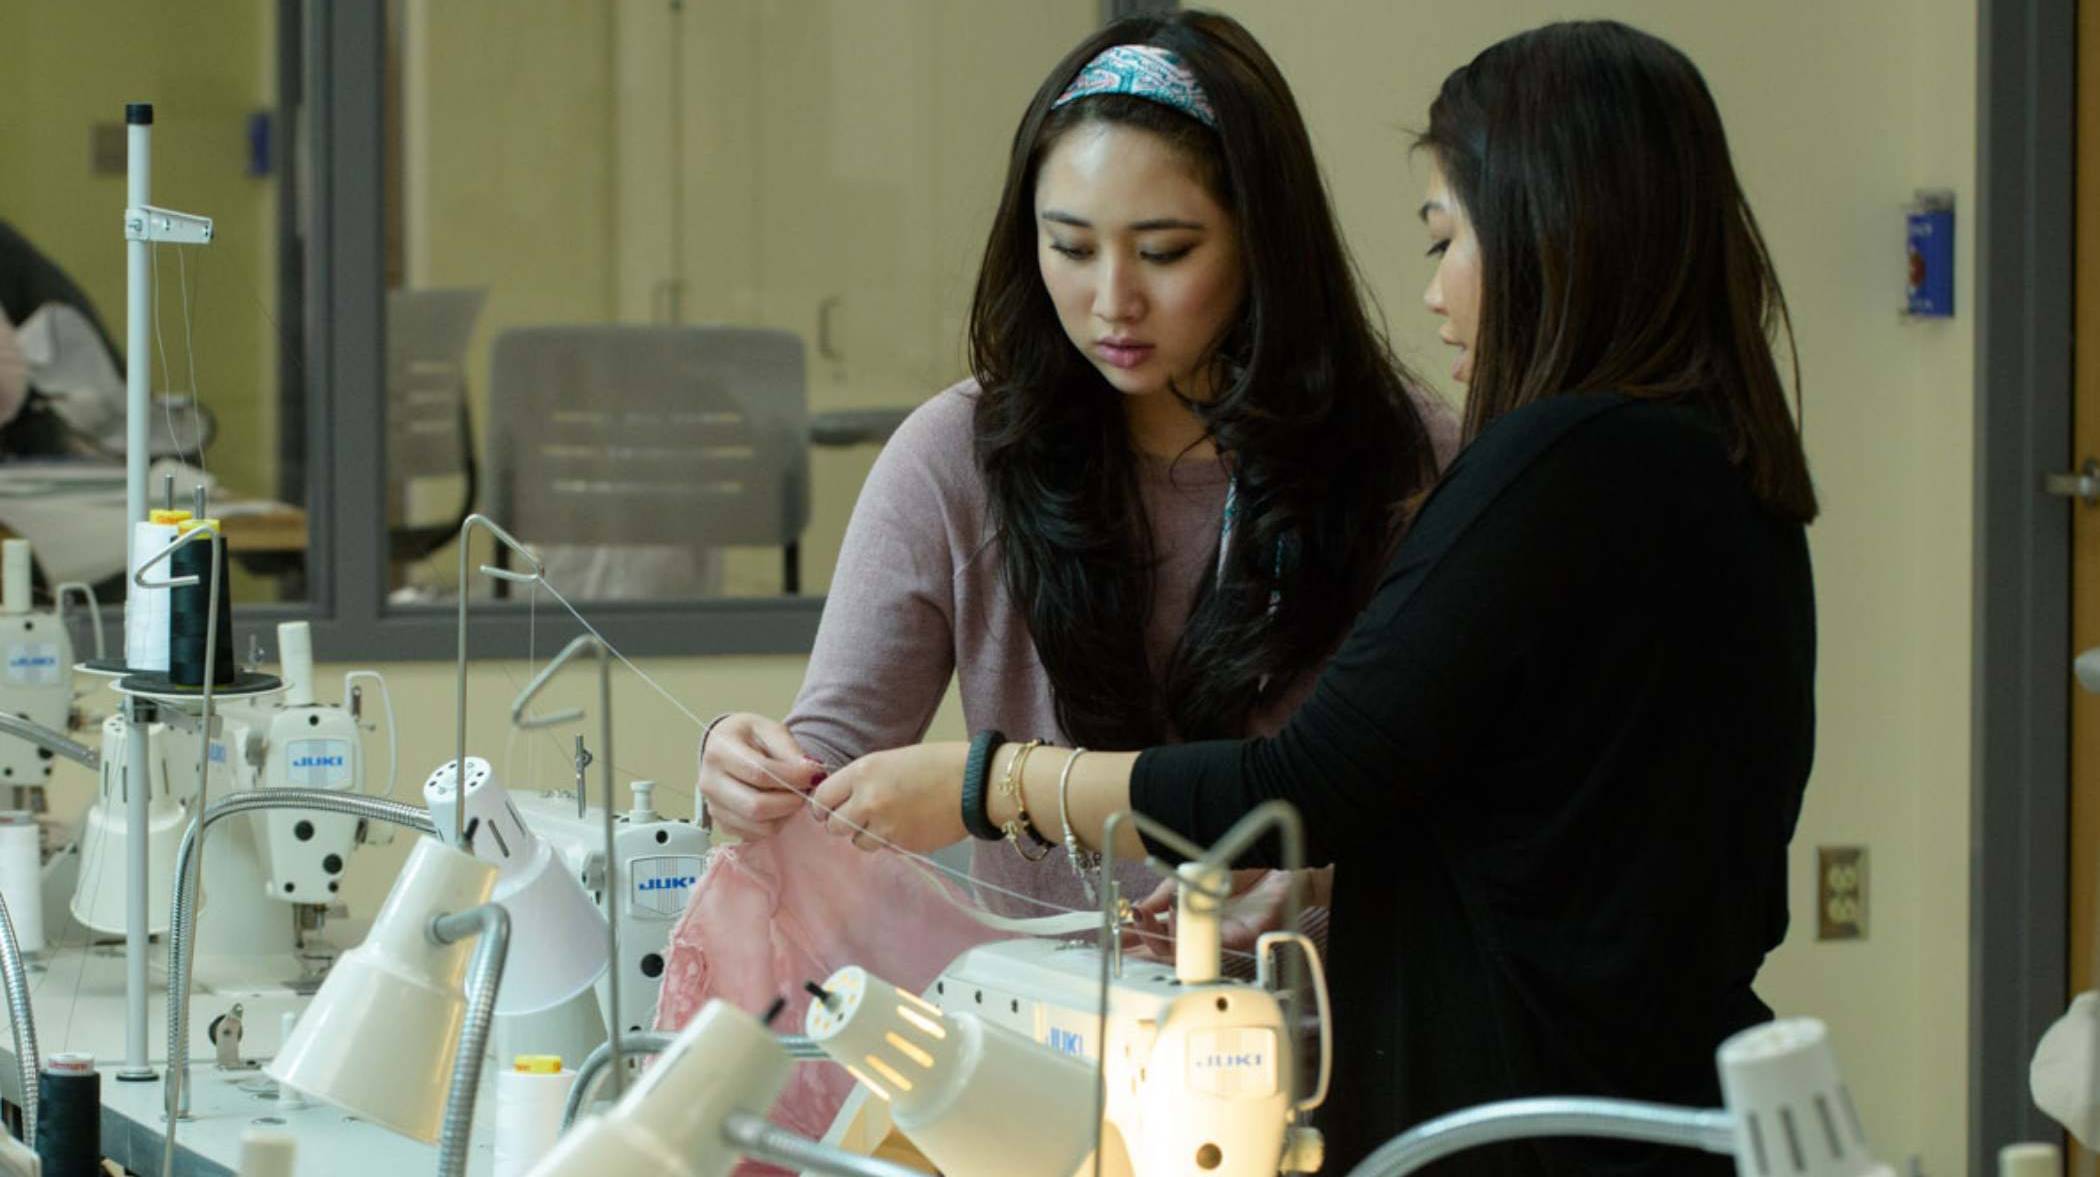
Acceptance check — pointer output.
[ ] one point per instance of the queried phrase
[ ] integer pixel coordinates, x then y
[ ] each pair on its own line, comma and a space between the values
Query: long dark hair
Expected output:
1617, 251
1311, 410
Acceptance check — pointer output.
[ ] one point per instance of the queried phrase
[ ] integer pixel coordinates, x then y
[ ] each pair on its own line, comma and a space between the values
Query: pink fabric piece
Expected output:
766, 917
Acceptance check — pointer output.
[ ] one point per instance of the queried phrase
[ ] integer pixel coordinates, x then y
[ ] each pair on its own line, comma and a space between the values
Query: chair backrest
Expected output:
689, 436
426, 380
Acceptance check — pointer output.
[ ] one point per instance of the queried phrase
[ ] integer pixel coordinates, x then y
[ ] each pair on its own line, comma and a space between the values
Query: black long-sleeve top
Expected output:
1556, 765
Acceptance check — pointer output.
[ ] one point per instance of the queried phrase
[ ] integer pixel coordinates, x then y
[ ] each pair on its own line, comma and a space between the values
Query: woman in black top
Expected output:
1557, 762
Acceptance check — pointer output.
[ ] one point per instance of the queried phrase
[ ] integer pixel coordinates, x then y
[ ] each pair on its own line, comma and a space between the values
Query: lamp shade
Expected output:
558, 933
380, 1037
1792, 1113
956, 1084
101, 892
670, 1123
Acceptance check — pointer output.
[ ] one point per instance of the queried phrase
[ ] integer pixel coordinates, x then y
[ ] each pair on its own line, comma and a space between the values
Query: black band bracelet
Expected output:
977, 773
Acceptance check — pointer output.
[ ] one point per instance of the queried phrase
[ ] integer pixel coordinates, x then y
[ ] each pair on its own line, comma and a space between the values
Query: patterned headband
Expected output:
1142, 71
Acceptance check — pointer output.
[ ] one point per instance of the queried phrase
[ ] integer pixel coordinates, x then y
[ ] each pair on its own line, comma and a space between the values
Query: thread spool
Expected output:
295, 658
146, 609
289, 1098
22, 877
267, 1152
189, 615
2030, 1160
529, 1101
14, 576
69, 1116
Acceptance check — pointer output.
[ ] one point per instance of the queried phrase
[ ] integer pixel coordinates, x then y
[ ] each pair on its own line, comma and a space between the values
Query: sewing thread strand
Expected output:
923, 862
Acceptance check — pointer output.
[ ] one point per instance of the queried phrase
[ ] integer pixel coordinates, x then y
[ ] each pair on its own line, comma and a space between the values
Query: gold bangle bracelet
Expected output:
1010, 784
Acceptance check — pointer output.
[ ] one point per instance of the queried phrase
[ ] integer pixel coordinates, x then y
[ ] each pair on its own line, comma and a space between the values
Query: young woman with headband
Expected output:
1181, 460
1557, 762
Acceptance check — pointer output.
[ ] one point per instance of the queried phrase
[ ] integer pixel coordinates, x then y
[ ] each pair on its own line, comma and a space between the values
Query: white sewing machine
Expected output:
1200, 1069
271, 878
290, 740
36, 673
660, 860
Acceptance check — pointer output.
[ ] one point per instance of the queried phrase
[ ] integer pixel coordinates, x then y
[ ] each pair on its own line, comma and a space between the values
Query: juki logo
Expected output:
1067, 1042
32, 662
666, 883
318, 761
1229, 1062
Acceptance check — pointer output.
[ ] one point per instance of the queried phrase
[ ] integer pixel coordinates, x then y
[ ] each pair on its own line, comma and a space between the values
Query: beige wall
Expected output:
1836, 112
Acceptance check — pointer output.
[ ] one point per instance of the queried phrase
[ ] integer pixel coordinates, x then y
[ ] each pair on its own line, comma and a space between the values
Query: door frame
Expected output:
2020, 778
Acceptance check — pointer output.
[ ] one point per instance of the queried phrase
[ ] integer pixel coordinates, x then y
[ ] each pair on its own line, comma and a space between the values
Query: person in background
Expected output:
69, 382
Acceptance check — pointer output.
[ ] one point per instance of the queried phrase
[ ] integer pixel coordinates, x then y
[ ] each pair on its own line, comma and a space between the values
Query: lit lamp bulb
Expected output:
962, 1090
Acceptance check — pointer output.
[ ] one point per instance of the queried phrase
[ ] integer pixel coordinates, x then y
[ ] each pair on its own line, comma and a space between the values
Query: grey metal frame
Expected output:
2025, 174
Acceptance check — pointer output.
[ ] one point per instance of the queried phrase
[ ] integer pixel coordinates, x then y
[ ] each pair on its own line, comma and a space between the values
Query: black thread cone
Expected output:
69, 1123
189, 618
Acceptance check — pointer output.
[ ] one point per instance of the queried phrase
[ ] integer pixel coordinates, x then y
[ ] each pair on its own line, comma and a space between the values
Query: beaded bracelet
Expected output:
1082, 860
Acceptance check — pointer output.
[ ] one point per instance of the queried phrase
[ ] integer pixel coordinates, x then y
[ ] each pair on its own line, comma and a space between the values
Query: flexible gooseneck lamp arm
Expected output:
57, 743
21, 1020
492, 924
466, 529
613, 894
1519, 1119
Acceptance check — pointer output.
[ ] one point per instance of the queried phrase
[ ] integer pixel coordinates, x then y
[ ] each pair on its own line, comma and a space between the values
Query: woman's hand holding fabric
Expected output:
908, 797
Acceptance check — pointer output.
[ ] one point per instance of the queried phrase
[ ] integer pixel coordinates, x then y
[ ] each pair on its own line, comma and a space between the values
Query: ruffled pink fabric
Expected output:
767, 917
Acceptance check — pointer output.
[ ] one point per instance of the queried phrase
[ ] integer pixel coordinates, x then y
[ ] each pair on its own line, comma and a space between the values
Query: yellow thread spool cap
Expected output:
188, 525
161, 515
537, 1064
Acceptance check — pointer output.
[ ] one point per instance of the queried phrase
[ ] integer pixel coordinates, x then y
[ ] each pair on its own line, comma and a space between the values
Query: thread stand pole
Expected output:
138, 119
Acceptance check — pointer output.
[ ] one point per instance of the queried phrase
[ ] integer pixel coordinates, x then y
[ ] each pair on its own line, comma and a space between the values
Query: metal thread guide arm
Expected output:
613, 895
466, 530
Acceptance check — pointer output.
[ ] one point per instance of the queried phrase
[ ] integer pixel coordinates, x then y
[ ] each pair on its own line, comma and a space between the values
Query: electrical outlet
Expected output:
1841, 892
